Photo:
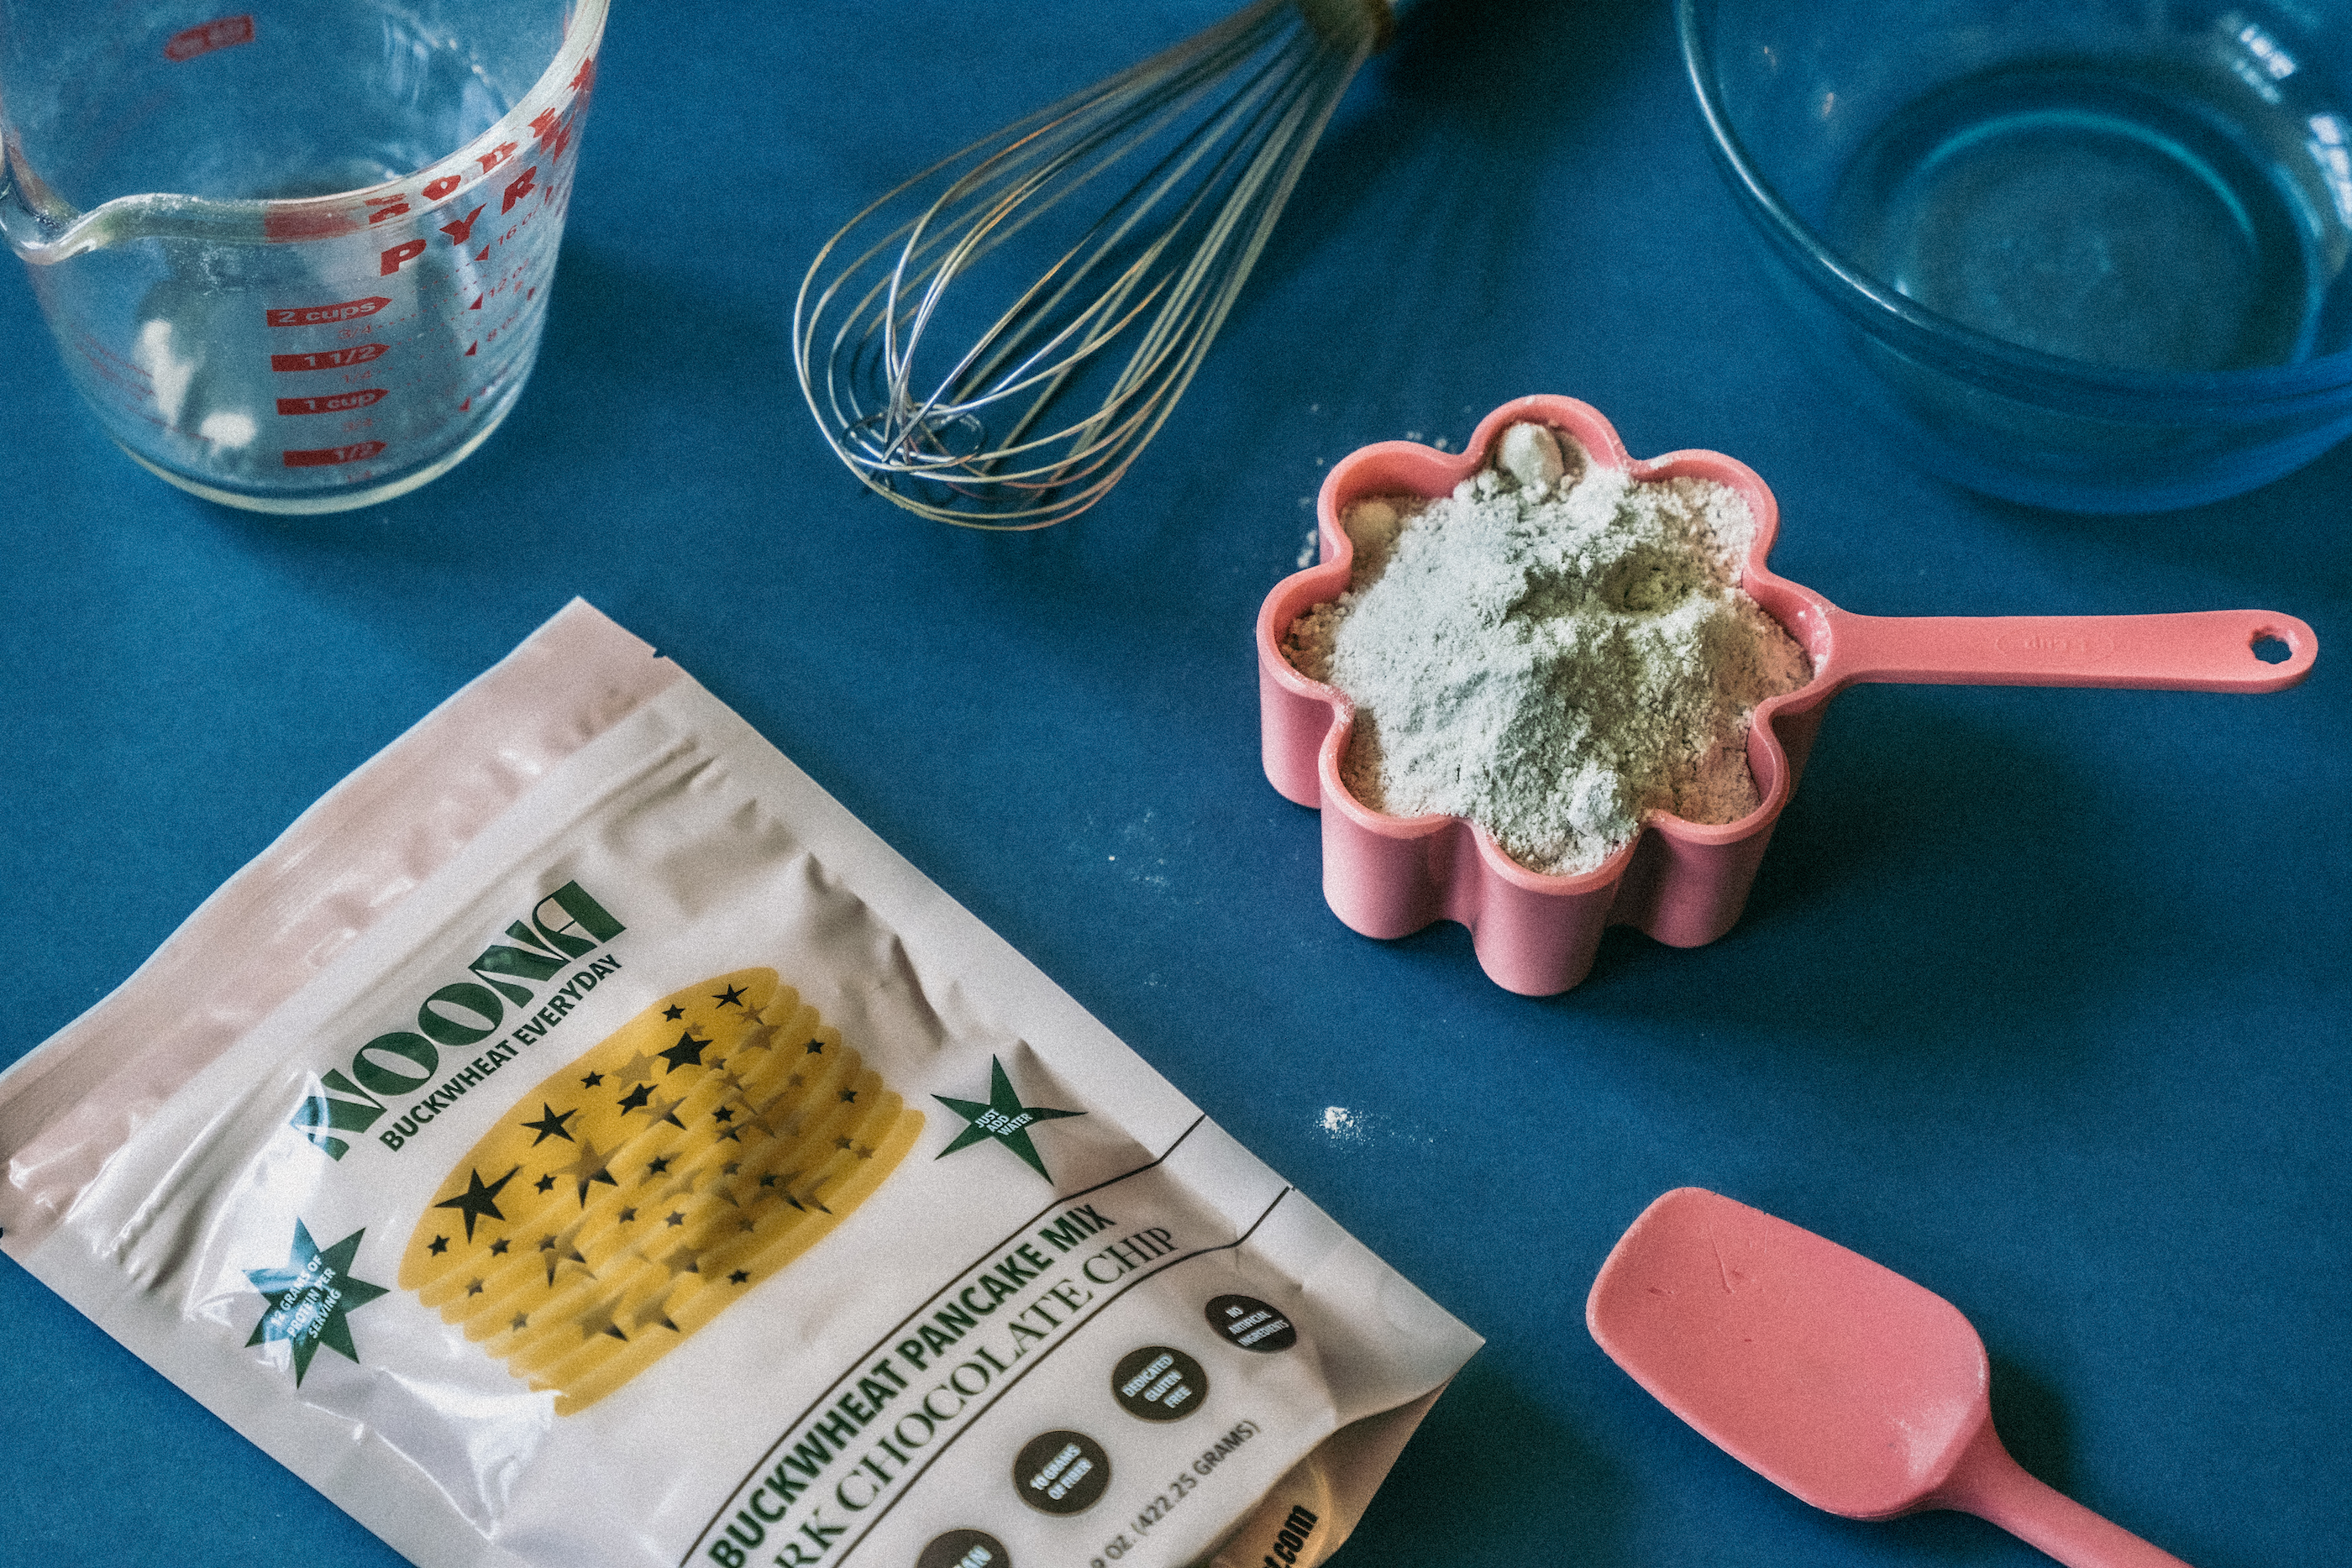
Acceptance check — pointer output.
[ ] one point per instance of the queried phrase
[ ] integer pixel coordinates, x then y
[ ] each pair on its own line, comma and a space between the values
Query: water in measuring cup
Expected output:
2141, 214
296, 372
283, 102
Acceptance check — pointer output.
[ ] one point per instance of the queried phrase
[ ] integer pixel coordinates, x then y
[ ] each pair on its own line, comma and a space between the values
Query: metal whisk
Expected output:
1019, 415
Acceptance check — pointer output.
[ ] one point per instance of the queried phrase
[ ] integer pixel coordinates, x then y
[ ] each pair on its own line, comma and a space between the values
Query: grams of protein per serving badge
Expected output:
578, 1141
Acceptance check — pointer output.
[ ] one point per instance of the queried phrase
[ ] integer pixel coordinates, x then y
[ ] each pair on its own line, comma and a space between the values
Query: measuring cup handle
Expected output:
2203, 651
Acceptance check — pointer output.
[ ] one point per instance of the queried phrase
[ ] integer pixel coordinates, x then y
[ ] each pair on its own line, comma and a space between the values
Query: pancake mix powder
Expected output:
1553, 651
578, 1141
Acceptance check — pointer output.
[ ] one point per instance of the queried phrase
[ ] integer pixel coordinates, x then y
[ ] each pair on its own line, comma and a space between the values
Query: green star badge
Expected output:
1003, 1118
311, 1298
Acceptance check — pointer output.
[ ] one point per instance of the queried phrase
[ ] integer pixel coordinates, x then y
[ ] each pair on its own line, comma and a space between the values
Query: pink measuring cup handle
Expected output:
2201, 651
1994, 1487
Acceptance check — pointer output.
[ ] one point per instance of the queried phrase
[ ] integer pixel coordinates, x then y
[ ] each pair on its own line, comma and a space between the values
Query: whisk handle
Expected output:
1347, 23
2205, 651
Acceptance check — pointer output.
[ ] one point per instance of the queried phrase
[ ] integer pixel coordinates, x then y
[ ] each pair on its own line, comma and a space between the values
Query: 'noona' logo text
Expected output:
564, 926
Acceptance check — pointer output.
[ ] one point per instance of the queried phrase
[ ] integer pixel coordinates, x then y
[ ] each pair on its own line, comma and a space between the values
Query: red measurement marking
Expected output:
330, 359
325, 315
304, 219
336, 402
399, 256
327, 456
219, 34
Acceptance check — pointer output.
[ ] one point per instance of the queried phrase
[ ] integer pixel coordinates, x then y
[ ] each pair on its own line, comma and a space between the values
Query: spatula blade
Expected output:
1833, 1377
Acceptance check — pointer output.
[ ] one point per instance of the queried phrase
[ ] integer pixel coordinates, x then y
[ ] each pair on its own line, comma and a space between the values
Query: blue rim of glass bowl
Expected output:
2171, 398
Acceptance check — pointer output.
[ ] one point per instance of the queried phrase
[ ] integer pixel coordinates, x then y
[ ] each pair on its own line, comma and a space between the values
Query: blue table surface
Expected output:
2040, 999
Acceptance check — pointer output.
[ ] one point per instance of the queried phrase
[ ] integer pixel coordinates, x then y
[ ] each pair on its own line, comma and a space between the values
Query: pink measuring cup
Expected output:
1682, 882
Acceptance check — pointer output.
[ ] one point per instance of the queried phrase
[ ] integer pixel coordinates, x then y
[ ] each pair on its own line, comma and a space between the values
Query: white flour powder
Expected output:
1552, 652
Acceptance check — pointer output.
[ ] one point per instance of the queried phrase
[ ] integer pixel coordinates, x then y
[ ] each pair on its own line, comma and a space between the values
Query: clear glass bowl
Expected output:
2091, 256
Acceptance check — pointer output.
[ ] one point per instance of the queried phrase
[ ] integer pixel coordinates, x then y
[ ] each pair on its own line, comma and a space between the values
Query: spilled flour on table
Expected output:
1553, 651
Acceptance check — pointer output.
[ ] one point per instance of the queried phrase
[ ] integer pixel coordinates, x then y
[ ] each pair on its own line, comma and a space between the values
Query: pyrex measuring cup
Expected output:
298, 256
1682, 882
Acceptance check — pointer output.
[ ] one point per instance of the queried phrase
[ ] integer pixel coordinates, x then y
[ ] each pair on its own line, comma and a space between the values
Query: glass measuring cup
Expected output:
297, 257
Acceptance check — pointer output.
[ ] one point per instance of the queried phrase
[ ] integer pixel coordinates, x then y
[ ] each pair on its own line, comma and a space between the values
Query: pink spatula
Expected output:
1829, 1374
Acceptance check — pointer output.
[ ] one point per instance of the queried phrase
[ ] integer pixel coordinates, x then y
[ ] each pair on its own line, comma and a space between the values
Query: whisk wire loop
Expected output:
1116, 322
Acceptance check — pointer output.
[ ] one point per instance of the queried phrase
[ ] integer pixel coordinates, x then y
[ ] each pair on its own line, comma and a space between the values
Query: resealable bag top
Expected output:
578, 1141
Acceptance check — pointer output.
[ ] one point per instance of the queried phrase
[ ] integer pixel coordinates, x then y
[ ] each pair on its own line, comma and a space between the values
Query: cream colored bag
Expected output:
578, 1141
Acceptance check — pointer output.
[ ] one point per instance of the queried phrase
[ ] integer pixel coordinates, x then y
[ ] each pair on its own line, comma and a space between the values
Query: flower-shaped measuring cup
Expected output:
1682, 882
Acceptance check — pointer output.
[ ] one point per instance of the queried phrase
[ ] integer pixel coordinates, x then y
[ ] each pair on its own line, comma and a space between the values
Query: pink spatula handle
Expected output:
1989, 1484
2203, 651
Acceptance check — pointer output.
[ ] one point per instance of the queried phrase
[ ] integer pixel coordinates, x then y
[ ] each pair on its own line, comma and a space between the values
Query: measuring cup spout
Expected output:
2205, 651
32, 216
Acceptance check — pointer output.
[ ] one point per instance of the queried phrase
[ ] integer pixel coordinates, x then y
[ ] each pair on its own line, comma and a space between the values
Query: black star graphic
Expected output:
768, 1180
591, 1167
724, 1114
592, 1080
627, 1215
687, 1052
545, 1183
550, 1125
311, 1298
849, 1096
673, 1012
473, 1288
1003, 1118
733, 997
440, 1245
658, 1166
520, 1322
816, 1048
674, 1218
598, 1319
499, 1247
737, 1277
635, 1100
558, 1252
478, 1201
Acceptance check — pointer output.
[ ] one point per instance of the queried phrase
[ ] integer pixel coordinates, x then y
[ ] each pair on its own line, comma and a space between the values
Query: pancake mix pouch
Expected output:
578, 1141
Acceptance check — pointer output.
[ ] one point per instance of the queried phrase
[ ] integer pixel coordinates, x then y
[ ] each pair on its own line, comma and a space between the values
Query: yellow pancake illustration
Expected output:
625, 1200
